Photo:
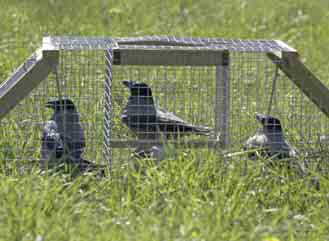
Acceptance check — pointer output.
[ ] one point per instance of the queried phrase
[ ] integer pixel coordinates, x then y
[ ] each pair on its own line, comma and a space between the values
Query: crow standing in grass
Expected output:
150, 122
63, 139
271, 142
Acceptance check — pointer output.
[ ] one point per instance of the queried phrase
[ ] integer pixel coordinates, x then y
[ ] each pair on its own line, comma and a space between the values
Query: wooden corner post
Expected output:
222, 106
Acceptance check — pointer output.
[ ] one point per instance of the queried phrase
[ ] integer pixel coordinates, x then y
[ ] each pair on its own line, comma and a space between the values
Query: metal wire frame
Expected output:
107, 149
193, 92
233, 45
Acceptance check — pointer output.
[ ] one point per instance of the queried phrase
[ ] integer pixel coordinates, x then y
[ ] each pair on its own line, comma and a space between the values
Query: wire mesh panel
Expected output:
78, 76
259, 86
164, 95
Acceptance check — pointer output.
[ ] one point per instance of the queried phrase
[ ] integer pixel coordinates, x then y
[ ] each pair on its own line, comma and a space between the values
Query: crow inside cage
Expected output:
148, 121
271, 142
63, 138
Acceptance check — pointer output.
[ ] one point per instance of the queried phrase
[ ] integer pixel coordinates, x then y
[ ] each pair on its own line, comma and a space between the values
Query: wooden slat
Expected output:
159, 43
148, 143
167, 57
223, 102
285, 46
25, 79
304, 79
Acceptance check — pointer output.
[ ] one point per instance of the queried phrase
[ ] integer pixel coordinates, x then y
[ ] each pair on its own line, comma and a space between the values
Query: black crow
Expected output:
270, 141
270, 138
148, 121
69, 126
63, 139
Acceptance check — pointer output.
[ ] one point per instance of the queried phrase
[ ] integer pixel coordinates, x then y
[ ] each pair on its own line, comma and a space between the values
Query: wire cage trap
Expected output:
215, 84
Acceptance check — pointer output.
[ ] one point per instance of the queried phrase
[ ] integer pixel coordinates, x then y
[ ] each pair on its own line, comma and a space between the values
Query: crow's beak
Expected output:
127, 83
260, 117
50, 104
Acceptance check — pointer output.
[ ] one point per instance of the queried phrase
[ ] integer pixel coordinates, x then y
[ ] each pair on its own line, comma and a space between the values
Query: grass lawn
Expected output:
192, 197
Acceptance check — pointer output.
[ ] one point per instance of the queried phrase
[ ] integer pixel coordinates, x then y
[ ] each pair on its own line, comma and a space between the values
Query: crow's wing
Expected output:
167, 118
164, 116
283, 148
71, 132
74, 135
278, 145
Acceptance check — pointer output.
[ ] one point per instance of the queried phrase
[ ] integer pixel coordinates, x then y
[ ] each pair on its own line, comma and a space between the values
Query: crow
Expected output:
63, 138
270, 139
69, 126
271, 142
148, 121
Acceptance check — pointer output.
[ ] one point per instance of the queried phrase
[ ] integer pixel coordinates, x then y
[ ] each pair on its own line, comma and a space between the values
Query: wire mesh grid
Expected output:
235, 45
196, 93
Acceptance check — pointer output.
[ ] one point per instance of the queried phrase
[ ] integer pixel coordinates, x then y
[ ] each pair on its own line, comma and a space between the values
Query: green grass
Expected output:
182, 199
192, 197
